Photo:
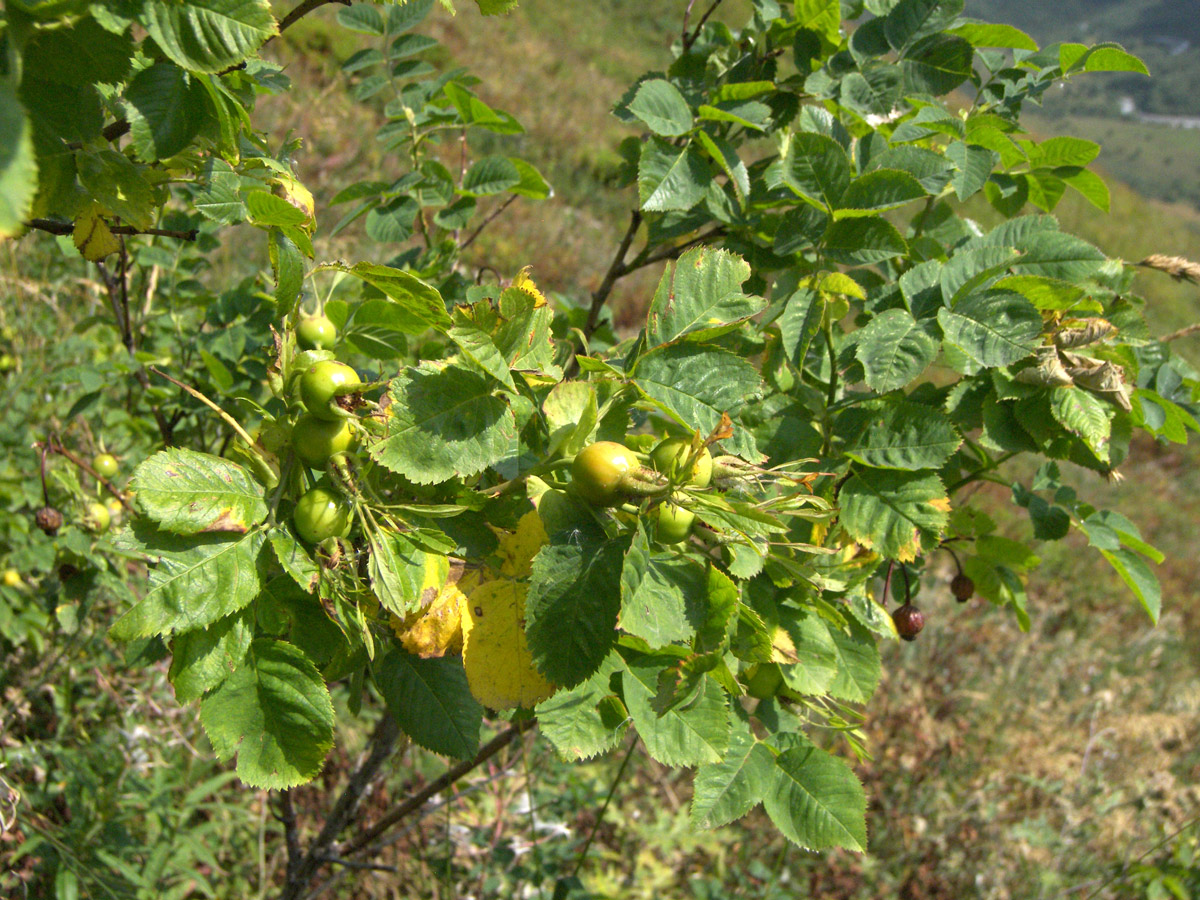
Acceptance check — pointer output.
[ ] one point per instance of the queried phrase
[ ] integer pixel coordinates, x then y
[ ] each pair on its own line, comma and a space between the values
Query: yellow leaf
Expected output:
518, 548
93, 237
524, 283
496, 657
435, 630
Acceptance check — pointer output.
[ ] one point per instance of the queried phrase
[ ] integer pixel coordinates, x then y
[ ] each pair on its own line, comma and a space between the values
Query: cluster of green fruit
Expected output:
607, 474
322, 432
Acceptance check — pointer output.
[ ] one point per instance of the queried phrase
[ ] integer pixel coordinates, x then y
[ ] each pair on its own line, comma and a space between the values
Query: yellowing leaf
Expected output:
783, 648
524, 283
500, 671
518, 548
93, 237
437, 629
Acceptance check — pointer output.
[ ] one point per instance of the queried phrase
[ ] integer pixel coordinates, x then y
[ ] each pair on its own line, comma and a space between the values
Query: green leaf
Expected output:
490, 175
817, 168
905, 436
475, 345
879, 190
218, 198
912, 19
937, 65
1140, 577
699, 294
397, 570
195, 580
1054, 254
574, 720
894, 350
418, 304
816, 801
202, 659
78, 54
1089, 185
699, 384
474, 111
447, 423
899, 514
208, 35
275, 714
1062, 151
1107, 57
571, 608
686, 735
800, 322
863, 241
818, 659
726, 156
932, 170
287, 265
165, 109
18, 168
659, 104
670, 177
662, 594
532, 184
268, 210
187, 492
974, 166
858, 665
118, 185
364, 18
1085, 415
994, 328
986, 34
431, 702
724, 791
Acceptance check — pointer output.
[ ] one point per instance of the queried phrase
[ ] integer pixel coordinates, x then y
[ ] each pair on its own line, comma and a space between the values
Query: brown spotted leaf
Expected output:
186, 492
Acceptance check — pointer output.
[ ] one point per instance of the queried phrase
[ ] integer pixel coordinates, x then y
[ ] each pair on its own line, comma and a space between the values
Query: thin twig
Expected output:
228, 419
491, 217
688, 40
419, 799
615, 270
673, 252
1181, 333
52, 227
291, 833
55, 446
579, 860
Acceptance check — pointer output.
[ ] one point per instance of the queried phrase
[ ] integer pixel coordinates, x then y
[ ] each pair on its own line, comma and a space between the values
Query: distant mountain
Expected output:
1164, 33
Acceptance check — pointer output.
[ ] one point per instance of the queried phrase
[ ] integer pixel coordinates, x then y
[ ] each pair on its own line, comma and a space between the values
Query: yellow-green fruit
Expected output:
319, 387
105, 465
316, 333
321, 514
598, 471
670, 456
315, 440
12, 578
674, 523
97, 518
763, 680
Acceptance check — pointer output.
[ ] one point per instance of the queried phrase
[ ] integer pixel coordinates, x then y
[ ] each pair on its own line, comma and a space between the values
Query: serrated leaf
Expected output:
662, 594
725, 791
699, 293
800, 322
573, 720
490, 175
1084, 415
218, 198
816, 801
496, 652
700, 384
18, 167
817, 168
863, 241
670, 177
937, 64
431, 702
994, 328
898, 514
974, 166
687, 735
397, 569
165, 109
879, 190
209, 35
275, 714
187, 492
572, 607
447, 423
1139, 577
817, 657
202, 659
858, 665
905, 436
118, 185
662, 108
195, 580
419, 305
894, 350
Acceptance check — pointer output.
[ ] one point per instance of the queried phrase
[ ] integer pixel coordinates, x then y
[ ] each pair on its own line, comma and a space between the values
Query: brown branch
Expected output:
492, 216
291, 832
52, 227
1181, 333
55, 446
303, 10
382, 743
449, 777
674, 252
688, 40
615, 270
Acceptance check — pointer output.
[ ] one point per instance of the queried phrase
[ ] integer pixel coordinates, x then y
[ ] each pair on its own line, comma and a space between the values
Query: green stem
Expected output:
982, 473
